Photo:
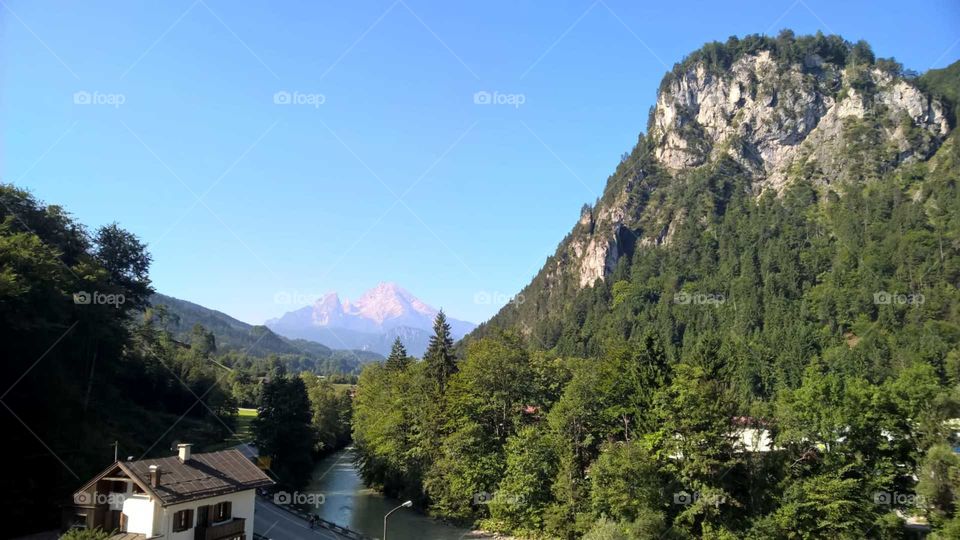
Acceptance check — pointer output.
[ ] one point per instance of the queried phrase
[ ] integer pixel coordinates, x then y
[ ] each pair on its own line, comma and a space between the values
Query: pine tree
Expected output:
282, 430
441, 364
398, 359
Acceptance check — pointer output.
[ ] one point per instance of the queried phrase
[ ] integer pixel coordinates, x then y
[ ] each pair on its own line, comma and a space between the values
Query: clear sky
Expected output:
382, 167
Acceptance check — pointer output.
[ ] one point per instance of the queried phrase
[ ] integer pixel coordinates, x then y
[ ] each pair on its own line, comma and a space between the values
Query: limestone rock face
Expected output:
771, 118
780, 121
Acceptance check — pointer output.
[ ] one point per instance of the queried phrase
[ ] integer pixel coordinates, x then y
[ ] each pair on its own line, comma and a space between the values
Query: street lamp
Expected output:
407, 504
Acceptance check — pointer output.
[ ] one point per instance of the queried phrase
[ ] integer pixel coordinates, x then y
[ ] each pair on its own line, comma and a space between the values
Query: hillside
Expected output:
740, 130
754, 333
256, 341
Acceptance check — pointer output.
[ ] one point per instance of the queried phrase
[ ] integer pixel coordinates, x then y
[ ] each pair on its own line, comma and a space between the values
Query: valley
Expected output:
751, 332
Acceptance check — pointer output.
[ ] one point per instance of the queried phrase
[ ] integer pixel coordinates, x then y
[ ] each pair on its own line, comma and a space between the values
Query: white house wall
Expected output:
244, 505
140, 515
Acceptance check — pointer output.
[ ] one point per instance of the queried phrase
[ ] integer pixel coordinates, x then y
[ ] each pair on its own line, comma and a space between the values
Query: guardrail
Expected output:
321, 523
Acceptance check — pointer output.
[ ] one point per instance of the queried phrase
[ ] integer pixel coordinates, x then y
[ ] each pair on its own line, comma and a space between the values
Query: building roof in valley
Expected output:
198, 477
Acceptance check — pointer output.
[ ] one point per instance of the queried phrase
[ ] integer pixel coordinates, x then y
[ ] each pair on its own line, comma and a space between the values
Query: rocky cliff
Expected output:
815, 109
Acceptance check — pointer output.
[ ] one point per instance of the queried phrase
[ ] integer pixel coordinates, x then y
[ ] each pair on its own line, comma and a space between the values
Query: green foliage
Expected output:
786, 49
331, 411
103, 371
627, 483
524, 491
439, 356
86, 534
945, 84
398, 359
939, 484
282, 430
830, 330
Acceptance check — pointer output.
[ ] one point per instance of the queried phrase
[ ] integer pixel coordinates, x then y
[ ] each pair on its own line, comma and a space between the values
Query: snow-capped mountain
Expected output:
369, 323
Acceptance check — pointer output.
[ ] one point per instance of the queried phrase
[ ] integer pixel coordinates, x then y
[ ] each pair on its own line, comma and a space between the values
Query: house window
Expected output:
182, 520
221, 511
203, 516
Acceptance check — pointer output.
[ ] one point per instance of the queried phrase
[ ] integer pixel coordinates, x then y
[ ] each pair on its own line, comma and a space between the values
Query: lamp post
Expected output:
407, 504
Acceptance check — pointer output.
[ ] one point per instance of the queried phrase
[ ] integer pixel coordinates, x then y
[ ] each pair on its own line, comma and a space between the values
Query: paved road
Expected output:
278, 524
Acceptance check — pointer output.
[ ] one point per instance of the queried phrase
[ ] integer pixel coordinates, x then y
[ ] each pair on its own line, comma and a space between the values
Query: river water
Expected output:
347, 502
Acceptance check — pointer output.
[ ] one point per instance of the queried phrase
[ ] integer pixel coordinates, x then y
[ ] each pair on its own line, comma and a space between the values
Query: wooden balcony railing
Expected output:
228, 529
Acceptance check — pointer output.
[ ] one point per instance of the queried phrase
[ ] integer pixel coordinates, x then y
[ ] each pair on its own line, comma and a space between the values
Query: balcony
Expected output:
227, 529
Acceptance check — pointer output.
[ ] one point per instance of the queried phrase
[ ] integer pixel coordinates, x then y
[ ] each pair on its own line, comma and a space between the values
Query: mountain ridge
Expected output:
774, 112
233, 335
372, 322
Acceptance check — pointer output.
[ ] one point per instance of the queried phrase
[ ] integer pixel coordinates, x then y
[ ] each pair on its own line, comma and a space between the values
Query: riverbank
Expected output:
348, 502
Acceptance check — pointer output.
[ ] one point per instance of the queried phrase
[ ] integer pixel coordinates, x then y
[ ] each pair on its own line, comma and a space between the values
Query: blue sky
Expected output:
398, 175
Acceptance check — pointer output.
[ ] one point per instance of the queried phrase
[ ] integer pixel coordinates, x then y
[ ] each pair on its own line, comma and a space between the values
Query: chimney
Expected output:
154, 475
183, 452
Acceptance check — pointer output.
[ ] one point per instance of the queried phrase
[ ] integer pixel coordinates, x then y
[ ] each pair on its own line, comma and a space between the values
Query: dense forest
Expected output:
90, 361
787, 365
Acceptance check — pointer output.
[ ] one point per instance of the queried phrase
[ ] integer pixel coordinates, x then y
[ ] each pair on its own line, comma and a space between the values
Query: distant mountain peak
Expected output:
387, 308
388, 301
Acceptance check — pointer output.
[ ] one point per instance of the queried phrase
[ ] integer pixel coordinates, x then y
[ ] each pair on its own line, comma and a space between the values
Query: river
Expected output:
349, 503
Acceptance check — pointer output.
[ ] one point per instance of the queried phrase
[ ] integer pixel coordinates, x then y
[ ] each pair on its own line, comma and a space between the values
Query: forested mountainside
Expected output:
241, 339
85, 364
92, 358
760, 156
753, 333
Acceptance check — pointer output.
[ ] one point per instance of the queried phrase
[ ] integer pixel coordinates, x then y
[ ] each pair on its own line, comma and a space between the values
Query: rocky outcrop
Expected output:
781, 121
771, 118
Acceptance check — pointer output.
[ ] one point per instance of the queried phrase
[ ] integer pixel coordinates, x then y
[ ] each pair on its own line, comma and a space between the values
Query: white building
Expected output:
753, 440
207, 496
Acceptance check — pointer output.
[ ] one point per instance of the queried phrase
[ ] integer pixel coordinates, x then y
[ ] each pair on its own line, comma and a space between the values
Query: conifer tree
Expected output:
441, 364
398, 359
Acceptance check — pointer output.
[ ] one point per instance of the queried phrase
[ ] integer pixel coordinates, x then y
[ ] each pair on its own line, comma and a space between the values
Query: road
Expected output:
278, 524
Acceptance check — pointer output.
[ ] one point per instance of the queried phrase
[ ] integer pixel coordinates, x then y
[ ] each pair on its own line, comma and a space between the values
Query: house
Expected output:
753, 440
209, 496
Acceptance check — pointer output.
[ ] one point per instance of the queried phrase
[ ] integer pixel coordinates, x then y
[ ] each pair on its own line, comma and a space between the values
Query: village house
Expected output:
209, 496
